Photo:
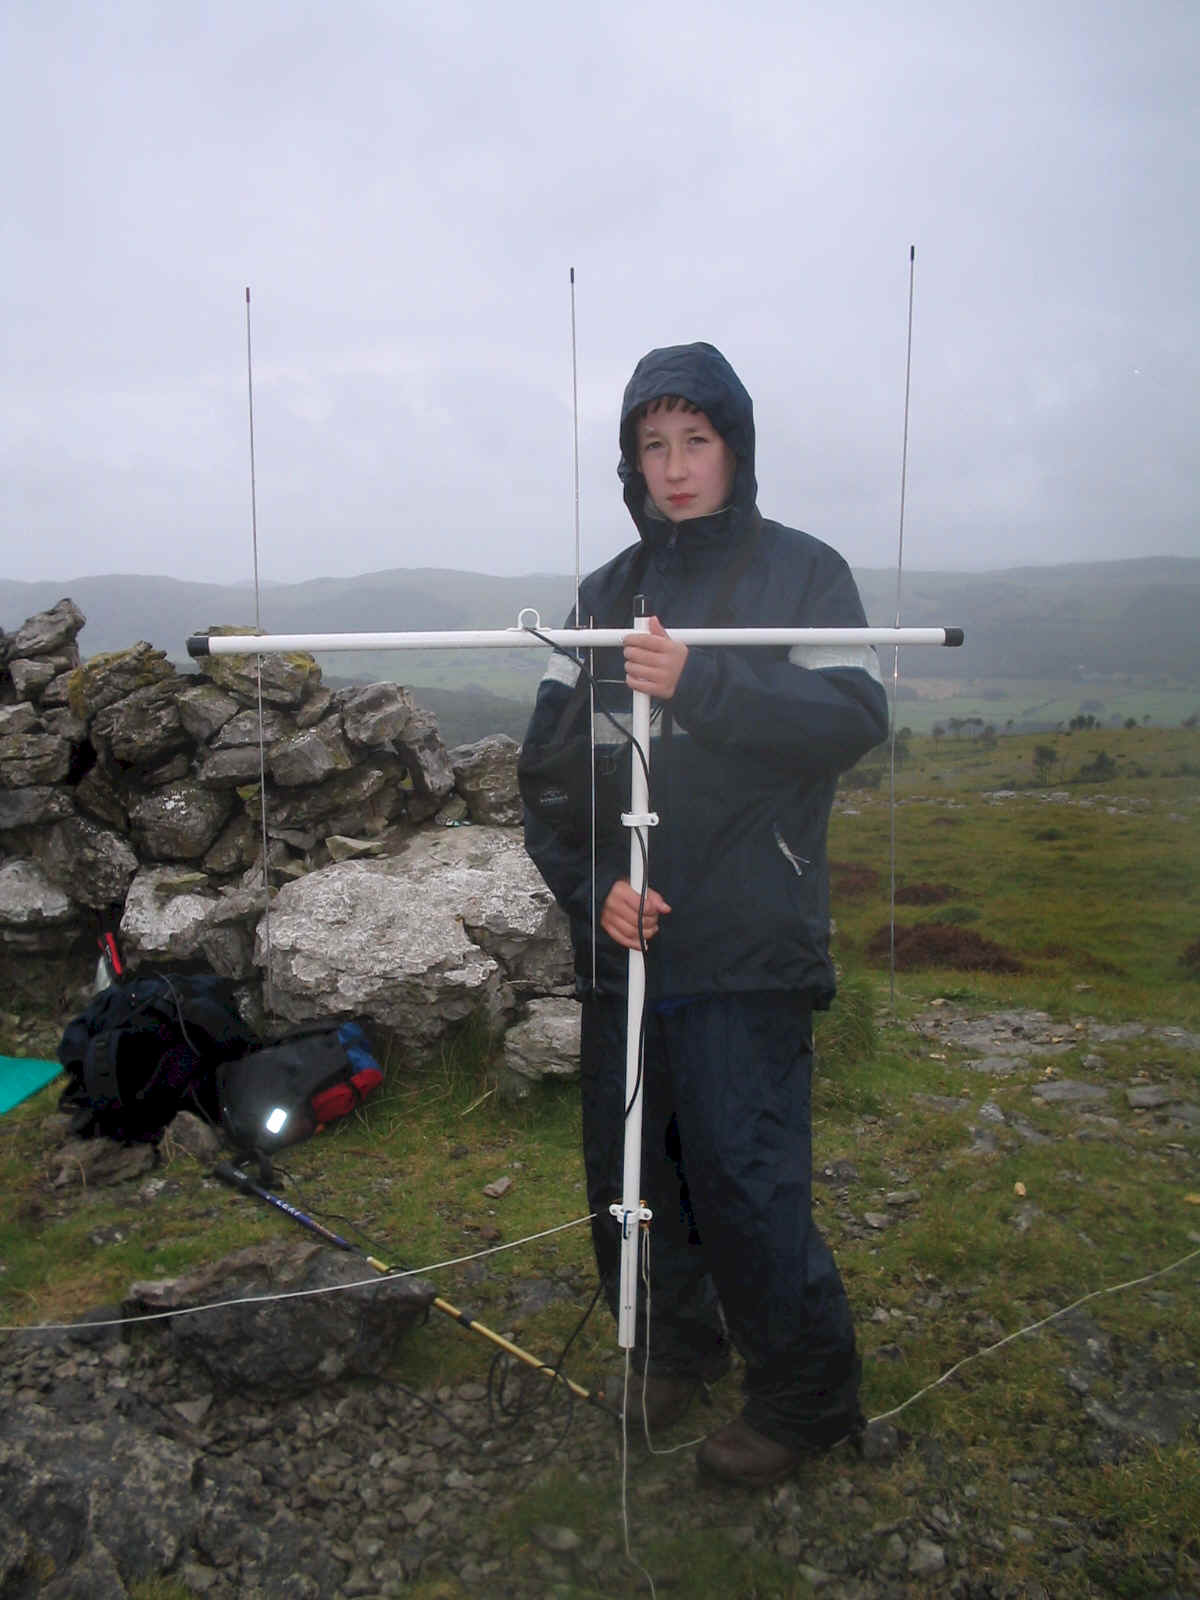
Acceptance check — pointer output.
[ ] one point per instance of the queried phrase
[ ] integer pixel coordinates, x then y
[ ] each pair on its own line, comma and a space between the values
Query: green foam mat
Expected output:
20, 1078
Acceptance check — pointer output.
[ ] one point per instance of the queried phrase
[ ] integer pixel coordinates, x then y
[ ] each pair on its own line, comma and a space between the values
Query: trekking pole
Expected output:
236, 1179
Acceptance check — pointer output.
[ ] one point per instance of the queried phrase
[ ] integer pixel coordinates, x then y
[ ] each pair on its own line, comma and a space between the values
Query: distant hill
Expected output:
1084, 622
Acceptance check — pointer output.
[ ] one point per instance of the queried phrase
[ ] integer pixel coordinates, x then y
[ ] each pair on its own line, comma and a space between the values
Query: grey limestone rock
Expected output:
57, 693
1067, 1091
158, 925
27, 808
63, 721
229, 768
169, 771
21, 718
380, 938
428, 762
545, 1044
31, 677
30, 759
47, 632
377, 714
286, 680
419, 940
99, 1163
281, 1345
236, 847
204, 710
142, 729
179, 821
104, 679
316, 706
167, 918
309, 756
512, 915
244, 728
30, 902
485, 774
91, 863
359, 802
97, 794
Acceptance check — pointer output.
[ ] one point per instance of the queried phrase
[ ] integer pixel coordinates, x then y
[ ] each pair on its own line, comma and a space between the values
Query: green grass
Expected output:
713, 1559
1044, 701
1099, 914
1099, 908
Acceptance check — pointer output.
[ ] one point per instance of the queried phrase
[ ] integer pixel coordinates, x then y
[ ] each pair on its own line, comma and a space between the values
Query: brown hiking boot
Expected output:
738, 1453
665, 1396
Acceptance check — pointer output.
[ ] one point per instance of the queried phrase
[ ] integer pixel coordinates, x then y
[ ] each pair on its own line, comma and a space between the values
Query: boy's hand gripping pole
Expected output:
639, 819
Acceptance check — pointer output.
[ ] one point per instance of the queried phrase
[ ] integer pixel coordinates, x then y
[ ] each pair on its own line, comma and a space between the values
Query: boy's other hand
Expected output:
619, 918
654, 661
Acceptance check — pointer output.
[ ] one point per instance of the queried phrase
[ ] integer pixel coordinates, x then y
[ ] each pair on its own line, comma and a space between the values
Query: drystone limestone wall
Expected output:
395, 886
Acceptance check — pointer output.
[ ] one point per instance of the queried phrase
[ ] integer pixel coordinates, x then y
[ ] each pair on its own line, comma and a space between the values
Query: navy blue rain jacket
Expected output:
745, 756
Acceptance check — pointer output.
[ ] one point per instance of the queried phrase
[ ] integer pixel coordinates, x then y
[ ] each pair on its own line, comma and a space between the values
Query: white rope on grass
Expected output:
629, 1555
416, 1272
884, 1416
290, 1294
688, 1444
1032, 1327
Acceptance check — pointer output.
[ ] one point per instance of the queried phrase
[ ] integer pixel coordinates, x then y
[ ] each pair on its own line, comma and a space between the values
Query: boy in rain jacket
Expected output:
747, 746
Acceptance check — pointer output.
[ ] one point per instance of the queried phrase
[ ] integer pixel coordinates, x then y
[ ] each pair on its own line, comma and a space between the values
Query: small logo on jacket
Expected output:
798, 862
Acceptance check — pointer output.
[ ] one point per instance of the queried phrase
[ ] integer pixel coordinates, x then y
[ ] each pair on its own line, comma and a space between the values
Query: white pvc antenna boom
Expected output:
523, 636
630, 1213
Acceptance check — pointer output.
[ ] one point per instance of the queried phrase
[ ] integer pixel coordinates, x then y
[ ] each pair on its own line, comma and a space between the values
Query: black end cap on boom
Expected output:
953, 636
197, 645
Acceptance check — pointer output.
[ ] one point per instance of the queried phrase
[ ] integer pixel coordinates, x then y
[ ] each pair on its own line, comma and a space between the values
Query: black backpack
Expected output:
146, 1049
295, 1087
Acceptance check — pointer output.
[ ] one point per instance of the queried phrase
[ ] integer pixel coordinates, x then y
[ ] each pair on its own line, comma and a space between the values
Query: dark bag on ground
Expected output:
286, 1092
146, 1049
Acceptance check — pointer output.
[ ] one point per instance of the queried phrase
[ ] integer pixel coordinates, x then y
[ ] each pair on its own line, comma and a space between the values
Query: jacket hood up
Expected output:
701, 374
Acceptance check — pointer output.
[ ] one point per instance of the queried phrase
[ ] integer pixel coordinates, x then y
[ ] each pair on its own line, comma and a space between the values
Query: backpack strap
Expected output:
100, 1069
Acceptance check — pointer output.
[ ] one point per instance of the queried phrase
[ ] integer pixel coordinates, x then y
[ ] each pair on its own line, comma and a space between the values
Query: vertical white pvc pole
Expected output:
631, 1212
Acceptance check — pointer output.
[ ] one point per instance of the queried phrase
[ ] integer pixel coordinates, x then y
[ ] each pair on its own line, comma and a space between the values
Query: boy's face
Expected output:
687, 465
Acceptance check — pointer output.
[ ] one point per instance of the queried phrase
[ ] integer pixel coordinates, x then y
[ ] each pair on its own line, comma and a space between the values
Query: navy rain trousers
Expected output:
727, 1172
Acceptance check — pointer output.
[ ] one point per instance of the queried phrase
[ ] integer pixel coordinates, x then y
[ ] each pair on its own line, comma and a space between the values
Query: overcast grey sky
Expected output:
405, 187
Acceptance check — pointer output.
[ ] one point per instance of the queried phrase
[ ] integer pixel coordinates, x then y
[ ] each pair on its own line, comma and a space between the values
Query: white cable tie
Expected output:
640, 819
627, 1217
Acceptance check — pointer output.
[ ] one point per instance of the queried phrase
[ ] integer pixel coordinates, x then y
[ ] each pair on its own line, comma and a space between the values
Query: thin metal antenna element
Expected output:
579, 619
262, 753
253, 485
575, 426
912, 267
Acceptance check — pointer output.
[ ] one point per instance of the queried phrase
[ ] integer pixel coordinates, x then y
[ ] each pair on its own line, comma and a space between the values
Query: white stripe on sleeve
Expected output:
823, 658
561, 669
